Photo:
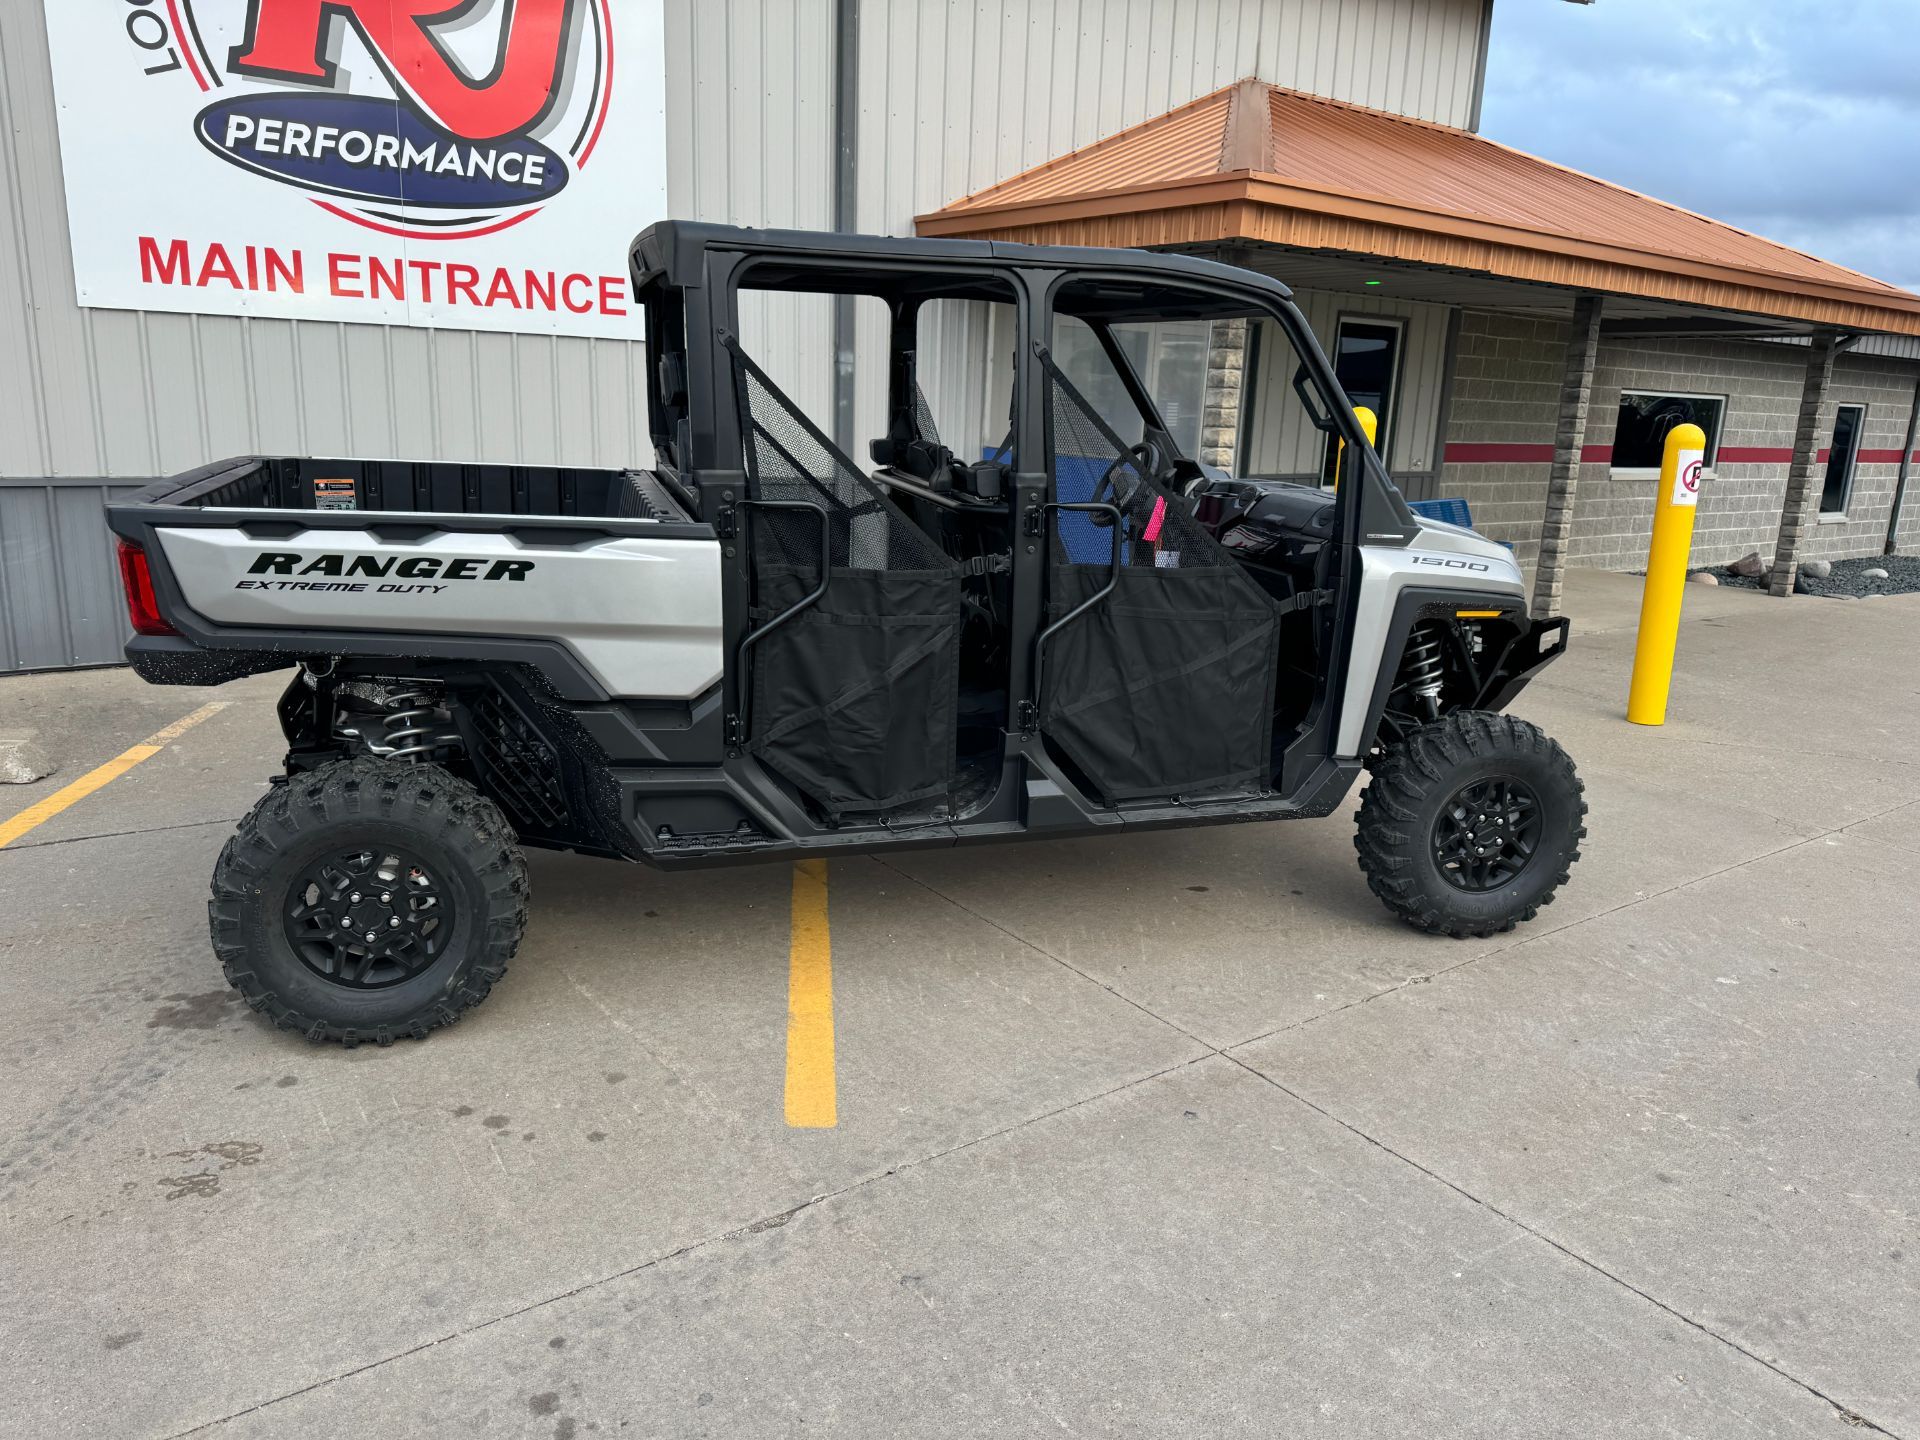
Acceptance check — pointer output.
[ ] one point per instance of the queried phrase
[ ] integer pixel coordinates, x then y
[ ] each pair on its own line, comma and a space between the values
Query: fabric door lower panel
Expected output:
854, 699
1166, 686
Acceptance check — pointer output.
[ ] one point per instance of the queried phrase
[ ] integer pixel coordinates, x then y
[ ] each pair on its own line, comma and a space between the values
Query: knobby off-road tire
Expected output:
1437, 839
442, 872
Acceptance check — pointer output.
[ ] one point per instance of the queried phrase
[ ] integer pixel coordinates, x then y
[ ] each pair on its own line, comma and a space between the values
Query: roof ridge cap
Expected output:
1247, 142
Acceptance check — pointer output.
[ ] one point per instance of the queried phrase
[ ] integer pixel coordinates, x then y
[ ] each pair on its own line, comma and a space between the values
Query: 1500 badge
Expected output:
375, 567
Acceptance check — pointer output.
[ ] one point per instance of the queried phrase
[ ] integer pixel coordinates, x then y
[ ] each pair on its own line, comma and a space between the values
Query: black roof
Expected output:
678, 248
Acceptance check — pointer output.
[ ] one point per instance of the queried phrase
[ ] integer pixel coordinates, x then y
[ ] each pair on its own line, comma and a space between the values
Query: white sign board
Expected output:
475, 164
1686, 480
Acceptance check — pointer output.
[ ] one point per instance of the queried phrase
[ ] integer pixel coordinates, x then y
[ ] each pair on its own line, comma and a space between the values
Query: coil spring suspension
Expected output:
1422, 670
409, 727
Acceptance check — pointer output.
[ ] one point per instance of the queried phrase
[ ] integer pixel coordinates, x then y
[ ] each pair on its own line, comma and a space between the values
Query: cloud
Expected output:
1794, 119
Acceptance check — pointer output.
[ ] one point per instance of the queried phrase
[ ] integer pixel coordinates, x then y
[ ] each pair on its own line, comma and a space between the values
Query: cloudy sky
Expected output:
1798, 119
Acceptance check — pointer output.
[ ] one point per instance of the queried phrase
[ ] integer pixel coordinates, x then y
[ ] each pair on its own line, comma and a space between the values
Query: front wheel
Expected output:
1470, 824
368, 900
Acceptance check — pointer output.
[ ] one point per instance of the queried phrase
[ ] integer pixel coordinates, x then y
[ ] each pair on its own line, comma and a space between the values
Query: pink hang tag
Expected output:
1152, 532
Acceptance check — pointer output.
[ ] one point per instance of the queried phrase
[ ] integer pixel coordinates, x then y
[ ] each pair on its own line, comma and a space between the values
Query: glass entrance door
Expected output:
1366, 359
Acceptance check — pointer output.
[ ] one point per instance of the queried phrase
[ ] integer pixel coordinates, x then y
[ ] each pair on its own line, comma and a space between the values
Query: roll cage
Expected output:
689, 279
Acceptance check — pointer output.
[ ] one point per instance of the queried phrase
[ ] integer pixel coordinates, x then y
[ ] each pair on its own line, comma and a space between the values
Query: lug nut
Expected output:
393, 923
386, 898
372, 935
354, 898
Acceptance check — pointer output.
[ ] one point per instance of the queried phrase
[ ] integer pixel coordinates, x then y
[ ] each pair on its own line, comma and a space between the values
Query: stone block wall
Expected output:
1739, 501
1220, 408
1500, 441
1506, 402
1886, 389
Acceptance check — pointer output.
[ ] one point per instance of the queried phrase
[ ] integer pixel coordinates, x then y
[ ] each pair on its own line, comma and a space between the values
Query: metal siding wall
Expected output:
1281, 441
750, 142
953, 97
956, 97
959, 96
104, 392
965, 350
92, 393
59, 583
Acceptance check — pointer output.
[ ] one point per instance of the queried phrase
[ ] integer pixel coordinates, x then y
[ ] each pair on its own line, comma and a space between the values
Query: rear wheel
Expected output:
368, 900
1471, 823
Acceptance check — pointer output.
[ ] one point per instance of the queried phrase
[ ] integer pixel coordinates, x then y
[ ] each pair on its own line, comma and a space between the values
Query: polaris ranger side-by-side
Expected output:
1059, 623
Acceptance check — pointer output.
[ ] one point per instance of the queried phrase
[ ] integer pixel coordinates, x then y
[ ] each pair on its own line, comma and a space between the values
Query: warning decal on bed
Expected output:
334, 494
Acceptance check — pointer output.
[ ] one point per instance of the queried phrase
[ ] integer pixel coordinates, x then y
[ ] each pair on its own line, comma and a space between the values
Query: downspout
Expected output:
1906, 467
1480, 66
846, 128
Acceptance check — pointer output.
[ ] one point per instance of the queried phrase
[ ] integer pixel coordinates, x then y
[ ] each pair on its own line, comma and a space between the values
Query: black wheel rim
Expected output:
368, 918
1486, 834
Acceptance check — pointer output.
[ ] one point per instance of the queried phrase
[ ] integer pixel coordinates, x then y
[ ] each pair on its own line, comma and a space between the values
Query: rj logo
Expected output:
289, 40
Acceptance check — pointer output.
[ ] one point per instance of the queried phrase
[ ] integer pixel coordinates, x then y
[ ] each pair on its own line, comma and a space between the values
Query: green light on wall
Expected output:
1375, 282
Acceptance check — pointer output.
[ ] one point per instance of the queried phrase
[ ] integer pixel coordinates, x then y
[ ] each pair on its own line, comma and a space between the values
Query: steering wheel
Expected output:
1146, 458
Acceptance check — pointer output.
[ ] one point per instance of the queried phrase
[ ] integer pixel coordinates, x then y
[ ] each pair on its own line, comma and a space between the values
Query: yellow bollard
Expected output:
1369, 426
1673, 511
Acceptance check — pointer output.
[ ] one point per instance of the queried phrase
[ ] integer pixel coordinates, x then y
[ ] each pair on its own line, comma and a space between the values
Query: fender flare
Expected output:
1529, 647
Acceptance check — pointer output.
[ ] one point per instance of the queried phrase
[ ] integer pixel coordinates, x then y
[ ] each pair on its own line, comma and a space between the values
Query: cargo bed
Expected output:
601, 580
300, 482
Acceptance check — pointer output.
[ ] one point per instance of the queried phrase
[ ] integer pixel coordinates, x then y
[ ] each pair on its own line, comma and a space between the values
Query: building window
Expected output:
1848, 424
1640, 432
1366, 361
1170, 357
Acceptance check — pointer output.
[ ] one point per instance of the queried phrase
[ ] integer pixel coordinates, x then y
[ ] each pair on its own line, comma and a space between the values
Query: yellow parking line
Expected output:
811, 1099
36, 815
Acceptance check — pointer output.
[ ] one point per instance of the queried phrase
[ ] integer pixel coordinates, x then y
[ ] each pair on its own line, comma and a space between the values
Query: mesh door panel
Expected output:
1166, 686
854, 700
923, 416
1089, 462
789, 459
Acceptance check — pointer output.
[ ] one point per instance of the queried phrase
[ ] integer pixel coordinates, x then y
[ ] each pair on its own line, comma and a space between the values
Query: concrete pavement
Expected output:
1158, 1135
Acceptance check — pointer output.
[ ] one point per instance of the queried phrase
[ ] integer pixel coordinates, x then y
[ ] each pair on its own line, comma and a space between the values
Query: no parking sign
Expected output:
1686, 480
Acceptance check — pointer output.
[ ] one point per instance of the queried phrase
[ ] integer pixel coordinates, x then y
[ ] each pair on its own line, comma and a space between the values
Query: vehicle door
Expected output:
1155, 669
868, 584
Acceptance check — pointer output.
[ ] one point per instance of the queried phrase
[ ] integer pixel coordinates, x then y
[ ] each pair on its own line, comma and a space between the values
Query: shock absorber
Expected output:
410, 728
1422, 670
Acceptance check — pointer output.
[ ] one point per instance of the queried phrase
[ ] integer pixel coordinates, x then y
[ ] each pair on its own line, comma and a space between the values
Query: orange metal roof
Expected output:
1256, 162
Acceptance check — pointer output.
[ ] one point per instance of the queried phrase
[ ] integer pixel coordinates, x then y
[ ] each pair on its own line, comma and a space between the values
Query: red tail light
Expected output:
143, 610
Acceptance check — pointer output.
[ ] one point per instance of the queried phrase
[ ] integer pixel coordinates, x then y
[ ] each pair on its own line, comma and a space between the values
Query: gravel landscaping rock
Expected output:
1749, 566
1867, 576
1703, 577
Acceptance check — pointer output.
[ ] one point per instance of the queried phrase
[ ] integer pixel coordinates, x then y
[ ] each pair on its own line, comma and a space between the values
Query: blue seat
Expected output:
1451, 510
1075, 477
